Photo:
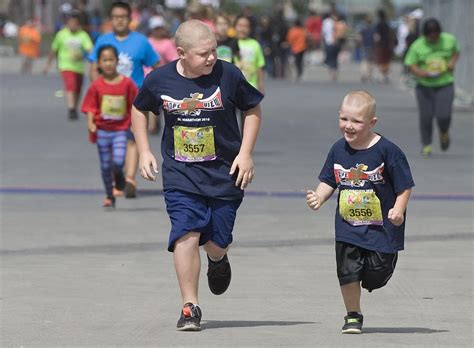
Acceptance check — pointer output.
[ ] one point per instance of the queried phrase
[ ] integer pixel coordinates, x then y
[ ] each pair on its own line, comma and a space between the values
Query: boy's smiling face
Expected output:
355, 125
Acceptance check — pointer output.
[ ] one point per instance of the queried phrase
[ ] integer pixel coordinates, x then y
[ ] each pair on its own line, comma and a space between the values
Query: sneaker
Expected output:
130, 190
218, 275
426, 151
190, 319
353, 323
444, 141
109, 203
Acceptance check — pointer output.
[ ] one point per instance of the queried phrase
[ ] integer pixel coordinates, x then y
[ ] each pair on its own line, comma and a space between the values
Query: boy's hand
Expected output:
313, 200
147, 166
396, 217
244, 163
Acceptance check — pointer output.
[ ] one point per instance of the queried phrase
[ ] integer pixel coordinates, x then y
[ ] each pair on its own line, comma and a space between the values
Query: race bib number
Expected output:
113, 107
360, 207
436, 65
194, 144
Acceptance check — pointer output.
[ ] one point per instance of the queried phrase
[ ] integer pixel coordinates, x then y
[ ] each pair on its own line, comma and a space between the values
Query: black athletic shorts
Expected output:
372, 268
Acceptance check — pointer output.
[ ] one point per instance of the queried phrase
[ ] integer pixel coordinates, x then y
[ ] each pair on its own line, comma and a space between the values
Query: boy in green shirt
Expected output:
70, 46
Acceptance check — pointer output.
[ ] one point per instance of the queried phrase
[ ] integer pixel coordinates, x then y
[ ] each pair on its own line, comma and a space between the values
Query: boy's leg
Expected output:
219, 272
70, 100
215, 252
78, 78
350, 267
351, 295
189, 215
70, 86
223, 214
187, 263
378, 269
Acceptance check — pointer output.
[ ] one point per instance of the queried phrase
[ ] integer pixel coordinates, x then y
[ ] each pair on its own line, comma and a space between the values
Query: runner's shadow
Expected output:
218, 324
401, 330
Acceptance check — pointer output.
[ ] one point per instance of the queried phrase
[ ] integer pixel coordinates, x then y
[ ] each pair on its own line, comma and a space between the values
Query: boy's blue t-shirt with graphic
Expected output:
368, 181
201, 136
135, 52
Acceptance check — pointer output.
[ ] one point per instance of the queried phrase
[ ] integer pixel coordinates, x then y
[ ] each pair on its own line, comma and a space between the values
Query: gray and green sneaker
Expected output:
353, 323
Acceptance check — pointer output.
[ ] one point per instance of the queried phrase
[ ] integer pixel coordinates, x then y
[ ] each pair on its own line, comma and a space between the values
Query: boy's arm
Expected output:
396, 214
315, 199
243, 161
147, 163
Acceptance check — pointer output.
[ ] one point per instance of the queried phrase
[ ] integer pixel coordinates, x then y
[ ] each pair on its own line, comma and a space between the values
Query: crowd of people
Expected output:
214, 70
287, 45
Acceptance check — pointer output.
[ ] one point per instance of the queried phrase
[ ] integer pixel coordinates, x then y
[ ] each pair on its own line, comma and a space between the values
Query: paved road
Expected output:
73, 275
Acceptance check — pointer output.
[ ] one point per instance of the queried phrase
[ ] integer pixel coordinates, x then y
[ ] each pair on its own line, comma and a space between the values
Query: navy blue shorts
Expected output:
190, 212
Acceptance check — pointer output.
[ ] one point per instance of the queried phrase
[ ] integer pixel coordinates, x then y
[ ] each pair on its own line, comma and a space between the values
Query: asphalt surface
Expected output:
74, 275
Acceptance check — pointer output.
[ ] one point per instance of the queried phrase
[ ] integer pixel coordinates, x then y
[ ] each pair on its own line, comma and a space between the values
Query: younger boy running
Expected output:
374, 182
206, 162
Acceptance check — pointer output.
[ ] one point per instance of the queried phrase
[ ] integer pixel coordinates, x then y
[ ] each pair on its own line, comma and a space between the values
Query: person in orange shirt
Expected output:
296, 38
29, 39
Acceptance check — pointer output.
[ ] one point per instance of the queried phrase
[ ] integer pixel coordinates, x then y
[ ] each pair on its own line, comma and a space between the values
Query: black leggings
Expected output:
434, 102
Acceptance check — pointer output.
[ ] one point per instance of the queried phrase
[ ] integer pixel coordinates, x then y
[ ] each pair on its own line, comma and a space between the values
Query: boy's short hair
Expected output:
121, 4
363, 100
191, 32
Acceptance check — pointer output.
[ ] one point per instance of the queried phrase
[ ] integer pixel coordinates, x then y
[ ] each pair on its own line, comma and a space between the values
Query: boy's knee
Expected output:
378, 270
370, 282
189, 240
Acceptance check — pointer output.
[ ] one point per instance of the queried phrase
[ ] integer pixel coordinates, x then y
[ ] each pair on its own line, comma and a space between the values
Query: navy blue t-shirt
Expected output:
195, 111
381, 169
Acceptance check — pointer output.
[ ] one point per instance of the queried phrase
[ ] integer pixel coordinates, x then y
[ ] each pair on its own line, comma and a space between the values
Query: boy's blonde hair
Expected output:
362, 100
191, 33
